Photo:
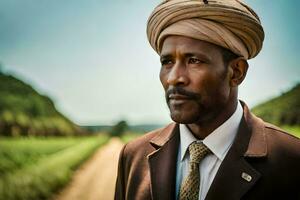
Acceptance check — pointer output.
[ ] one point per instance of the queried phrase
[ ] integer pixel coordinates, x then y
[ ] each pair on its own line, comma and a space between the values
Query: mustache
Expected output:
181, 91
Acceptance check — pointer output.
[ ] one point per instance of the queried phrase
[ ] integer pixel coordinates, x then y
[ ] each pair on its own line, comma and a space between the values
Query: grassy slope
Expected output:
282, 110
26, 110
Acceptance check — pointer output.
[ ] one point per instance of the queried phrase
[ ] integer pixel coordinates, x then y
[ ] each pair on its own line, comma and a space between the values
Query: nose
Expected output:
178, 75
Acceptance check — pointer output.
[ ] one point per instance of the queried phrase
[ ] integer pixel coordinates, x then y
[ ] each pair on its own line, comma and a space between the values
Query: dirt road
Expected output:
95, 180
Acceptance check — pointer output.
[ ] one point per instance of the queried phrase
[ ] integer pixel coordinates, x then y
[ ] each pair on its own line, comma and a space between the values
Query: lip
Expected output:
178, 97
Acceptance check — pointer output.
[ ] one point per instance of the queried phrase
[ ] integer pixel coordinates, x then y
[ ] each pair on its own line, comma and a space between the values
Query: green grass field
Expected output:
128, 136
35, 168
295, 130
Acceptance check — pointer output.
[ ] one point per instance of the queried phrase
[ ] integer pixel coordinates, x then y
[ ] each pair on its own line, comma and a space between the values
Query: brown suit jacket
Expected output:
147, 165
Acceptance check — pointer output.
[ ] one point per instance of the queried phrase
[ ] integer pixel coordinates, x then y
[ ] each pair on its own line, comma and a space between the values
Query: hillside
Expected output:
282, 110
23, 111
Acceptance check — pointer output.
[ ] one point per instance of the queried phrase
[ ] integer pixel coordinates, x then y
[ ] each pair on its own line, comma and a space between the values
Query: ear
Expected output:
239, 68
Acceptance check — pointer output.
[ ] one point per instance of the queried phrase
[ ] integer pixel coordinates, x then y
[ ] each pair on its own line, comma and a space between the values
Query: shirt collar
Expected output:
219, 141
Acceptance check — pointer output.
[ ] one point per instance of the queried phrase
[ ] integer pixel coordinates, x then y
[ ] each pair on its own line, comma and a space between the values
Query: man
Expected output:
216, 149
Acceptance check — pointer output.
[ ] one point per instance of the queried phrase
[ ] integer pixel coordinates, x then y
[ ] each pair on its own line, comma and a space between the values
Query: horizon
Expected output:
100, 124
75, 53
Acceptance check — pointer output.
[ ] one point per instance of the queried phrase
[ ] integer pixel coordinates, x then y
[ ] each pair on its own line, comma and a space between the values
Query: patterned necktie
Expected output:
189, 189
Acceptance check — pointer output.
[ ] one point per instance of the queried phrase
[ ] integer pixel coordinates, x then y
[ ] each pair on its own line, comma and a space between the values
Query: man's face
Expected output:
195, 79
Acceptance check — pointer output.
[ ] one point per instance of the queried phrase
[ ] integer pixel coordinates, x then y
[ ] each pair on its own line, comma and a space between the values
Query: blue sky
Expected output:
93, 59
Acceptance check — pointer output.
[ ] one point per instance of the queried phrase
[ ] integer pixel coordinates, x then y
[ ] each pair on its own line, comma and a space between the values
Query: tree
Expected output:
1, 68
119, 128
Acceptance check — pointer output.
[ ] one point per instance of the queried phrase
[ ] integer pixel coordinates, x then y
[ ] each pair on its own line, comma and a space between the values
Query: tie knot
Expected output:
198, 151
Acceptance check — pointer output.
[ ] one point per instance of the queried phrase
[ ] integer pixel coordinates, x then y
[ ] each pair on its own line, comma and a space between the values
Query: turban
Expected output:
227, 23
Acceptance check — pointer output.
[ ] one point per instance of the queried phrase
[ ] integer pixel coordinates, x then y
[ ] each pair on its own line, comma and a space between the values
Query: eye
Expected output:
195, 61
166, 62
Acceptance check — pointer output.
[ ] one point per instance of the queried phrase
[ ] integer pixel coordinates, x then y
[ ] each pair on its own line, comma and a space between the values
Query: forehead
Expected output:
181, 44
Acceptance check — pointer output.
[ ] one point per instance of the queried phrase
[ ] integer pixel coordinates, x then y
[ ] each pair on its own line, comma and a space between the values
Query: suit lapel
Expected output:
236, 176
162, 163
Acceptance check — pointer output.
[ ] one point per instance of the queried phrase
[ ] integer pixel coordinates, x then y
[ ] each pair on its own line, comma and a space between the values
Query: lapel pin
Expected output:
246, 177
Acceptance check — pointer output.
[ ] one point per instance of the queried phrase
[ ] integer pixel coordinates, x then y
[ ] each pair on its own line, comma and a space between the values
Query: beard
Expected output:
194, 109
186, 112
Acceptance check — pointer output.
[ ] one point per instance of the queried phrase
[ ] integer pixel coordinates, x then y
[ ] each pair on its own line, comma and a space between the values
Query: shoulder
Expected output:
281, 150
280, 143
142, 146
141, 141
279, 139
283, 155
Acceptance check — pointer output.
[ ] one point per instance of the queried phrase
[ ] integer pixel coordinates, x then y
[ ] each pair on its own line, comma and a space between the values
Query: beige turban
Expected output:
227, 23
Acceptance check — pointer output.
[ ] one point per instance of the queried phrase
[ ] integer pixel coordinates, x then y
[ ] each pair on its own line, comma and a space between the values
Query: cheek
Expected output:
211, 86
163, 79
202, 82
219, 91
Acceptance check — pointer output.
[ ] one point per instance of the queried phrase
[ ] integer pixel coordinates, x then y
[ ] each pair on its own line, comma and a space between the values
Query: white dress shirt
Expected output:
219, 142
